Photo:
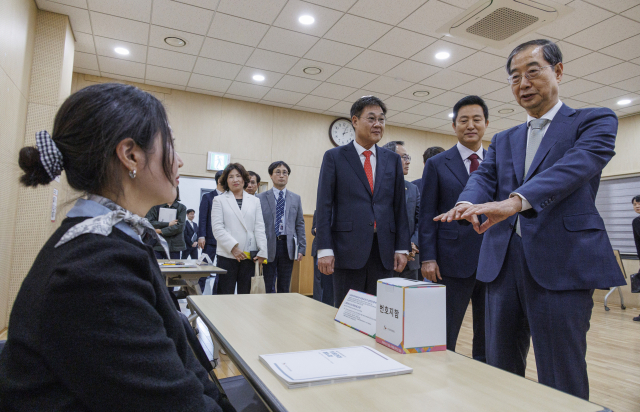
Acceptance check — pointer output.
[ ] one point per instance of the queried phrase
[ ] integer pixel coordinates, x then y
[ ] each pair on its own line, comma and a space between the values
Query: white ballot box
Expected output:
411, 315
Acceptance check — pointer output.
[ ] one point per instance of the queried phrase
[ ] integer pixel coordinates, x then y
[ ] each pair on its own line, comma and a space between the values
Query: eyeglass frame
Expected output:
406, 158
510, 78
376, 121
278, 173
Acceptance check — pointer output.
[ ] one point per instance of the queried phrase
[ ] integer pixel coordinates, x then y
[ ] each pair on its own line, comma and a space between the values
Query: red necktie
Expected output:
474, 162
369, 172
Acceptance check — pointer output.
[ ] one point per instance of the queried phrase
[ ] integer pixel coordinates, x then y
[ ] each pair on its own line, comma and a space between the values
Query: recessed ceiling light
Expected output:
442, 55
421, 93
121, 50
505, 111
624, 101
258, 77
312, 70
451, 115
175, 41
306, 19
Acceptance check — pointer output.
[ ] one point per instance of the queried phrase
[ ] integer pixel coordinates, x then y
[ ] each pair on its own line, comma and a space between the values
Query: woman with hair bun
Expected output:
93, 327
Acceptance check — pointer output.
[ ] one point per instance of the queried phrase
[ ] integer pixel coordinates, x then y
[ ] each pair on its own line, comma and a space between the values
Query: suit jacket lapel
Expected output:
351, 154
456, 165
518, 142
383, 160
287, 206
271, 202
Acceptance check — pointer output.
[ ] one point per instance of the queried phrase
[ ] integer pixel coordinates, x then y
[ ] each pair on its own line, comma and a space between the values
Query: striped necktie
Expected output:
279, 212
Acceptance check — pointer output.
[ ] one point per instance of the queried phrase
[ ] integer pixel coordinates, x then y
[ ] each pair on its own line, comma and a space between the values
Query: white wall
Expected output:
190, 191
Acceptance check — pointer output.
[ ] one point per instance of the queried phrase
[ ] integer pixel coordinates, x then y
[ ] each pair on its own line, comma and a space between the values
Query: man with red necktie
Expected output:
362, 225
449, 252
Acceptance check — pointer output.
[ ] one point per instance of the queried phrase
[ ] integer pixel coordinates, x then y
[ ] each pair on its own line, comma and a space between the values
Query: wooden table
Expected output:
187, 278
251, 325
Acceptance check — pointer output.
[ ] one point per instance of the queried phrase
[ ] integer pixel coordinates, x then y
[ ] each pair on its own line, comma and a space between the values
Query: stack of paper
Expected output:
322, 367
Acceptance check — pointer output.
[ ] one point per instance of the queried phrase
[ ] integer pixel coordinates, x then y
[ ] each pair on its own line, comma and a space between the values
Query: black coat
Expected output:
93, 329
172, 234
188, 234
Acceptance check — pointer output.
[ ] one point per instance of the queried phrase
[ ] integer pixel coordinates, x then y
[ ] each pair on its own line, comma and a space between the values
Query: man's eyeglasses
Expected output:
279, 173
530, 74
406, 158
373, 119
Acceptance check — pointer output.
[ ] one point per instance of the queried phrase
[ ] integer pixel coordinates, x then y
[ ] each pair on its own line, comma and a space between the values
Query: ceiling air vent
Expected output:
497, 23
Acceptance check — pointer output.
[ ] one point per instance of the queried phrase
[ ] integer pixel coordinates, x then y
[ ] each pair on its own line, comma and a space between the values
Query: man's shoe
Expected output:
637, 318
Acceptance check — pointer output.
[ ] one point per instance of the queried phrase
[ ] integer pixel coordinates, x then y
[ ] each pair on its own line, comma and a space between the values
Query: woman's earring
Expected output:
132, 173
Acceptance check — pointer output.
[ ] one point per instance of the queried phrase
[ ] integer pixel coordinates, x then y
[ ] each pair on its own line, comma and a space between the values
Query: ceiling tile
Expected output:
79, 18
633, 13
299, 84
283, 96
237, 30
448, 99
333, 52
324, 18
106, 47
308, 109
288, 42
408, 93
598, 95
342, 5
82, 4
510, 110
158, 34
577, 86
374, 62
247, 90
360, 93
504, 95
327, 69
457, 53
506, 50
335, 114
616, 6
180, 16
268, 60
390, 12
590, 63
123, 67
120, 77
317, 102
135, 10
264, 11
402, 43
428, 18
86, 71
498, 75
352, 78
357, 31
412, 71
276, 104
626, 50
584, 15
504, 124
478, 64
170, 76
426, 109
446, 114
205, 4
613, 103
575, 104
405, 118
632, 85
571, 51
247, 73
400, 104
119, 28
217, 68
432, 123
85, 60
615, 74
492, 104
481, 87
606, 33
244, 98
342, 107
447, 79
84, 42
463, 42
225, 51
209, 83
163, 84
388, 85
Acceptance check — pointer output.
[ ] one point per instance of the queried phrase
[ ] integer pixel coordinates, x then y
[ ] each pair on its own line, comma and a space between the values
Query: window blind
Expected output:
614, 205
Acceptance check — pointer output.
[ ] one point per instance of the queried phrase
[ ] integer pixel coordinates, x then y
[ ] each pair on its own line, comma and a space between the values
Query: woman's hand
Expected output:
259, 259
173, 222
159, 231
238, 254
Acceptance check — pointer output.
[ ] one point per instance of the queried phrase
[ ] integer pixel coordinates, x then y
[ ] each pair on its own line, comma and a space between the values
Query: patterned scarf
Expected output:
102, 225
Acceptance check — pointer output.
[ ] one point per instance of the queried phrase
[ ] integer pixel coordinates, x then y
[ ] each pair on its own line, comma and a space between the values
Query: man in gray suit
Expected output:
284, 226
412, 198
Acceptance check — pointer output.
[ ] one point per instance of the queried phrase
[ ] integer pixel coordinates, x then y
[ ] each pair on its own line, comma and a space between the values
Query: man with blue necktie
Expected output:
545, 248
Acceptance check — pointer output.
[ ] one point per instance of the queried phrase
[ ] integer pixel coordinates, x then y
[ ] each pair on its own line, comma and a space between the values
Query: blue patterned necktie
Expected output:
279, 212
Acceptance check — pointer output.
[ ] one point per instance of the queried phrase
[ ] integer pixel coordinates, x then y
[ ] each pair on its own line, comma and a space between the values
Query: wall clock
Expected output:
341, 132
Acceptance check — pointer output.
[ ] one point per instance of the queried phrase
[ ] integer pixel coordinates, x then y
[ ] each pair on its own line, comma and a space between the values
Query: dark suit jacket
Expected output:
314, 246
204, 218
636, 233
346, 208
418, 183
188, 233
563, 236
456, 248
412, 197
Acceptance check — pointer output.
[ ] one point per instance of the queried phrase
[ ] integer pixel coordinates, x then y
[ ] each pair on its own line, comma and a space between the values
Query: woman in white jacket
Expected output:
238, 226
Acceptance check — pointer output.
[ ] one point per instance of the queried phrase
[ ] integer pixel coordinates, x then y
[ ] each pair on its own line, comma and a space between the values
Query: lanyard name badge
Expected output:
281, 226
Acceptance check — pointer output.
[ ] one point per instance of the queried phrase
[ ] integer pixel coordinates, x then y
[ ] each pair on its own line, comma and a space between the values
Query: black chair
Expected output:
237, 395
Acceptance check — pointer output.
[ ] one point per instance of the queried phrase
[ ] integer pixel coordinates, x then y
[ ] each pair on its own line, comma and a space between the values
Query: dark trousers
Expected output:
237, 272
190, 252
459, 292
364, 279
322, 285
279, 270
557, 321
407, 273
172, 255
210, 250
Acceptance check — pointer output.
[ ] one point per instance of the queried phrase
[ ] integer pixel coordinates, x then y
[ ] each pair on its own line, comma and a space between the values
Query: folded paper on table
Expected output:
358, 311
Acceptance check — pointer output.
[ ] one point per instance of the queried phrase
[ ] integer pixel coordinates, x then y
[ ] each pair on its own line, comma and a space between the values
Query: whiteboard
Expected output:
190, 189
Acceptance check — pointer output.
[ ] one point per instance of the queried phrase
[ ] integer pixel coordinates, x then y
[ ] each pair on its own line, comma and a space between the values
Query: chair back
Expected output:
616, 253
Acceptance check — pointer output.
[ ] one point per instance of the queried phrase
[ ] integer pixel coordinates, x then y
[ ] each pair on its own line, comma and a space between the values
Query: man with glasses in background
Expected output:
362, 225
545, 248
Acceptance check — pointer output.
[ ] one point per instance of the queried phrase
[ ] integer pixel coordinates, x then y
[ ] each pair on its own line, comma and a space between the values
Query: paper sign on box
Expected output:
411, 315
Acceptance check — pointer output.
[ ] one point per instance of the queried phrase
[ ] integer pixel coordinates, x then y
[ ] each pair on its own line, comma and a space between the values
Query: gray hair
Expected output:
393, 145
550, 50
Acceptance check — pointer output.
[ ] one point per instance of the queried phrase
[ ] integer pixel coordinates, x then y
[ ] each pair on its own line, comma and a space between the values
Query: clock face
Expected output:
342, 132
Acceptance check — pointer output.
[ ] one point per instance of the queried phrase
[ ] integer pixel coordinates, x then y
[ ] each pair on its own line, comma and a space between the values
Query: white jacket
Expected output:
232, 226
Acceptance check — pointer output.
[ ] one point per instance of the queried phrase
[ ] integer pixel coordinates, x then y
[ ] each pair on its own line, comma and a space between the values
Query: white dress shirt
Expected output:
276, 193
465, 152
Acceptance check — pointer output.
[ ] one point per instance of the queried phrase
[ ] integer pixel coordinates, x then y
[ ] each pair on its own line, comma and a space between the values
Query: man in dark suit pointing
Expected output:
362, 225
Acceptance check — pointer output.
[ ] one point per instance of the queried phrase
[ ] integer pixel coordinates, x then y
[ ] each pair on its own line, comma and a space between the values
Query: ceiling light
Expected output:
121, 50
421, 93
258, 77
505, 111
623, 102
312, 70
175, 41
306, 19
442, 55
451, 115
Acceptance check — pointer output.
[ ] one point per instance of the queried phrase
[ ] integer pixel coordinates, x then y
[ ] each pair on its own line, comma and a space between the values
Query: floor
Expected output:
613, 356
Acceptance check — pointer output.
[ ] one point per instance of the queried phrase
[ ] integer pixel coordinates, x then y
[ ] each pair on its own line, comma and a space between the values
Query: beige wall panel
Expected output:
304, 182
627, 148
13, 113
67, 66
51, 31
9, 189
261, 167
246, 130
195, 120
17, 36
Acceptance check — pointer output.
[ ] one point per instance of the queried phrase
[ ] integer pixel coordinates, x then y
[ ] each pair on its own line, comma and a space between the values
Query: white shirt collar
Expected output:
548, 115
276, 192
219, 192
465, 152
361, 149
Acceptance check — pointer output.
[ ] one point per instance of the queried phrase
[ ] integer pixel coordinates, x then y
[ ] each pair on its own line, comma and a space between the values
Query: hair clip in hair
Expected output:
50, 155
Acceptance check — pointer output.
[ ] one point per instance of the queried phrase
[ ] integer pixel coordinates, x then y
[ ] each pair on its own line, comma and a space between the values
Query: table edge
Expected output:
269, 398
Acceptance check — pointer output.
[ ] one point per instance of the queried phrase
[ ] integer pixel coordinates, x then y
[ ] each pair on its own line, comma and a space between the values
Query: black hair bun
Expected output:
34, 172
